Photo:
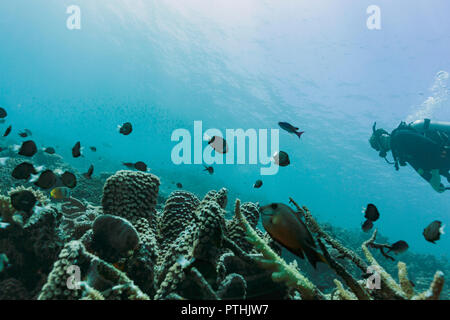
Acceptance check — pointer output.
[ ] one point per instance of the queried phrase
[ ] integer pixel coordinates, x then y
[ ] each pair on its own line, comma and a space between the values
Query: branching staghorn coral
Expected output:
281, 271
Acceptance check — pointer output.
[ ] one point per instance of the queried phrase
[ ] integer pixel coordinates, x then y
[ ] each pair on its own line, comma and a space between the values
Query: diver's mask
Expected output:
376, 140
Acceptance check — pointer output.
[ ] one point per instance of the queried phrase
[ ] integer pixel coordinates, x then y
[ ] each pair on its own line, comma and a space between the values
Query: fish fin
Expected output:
313, 257
441, 229
299, 134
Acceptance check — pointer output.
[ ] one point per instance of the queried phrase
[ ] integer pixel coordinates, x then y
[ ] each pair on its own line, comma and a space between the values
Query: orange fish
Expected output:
286, 228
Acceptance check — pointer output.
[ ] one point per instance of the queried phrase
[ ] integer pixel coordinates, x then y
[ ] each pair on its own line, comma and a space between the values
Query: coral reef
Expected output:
133, 247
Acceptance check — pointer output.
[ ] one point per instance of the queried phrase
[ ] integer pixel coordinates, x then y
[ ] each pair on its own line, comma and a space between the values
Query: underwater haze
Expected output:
162, 65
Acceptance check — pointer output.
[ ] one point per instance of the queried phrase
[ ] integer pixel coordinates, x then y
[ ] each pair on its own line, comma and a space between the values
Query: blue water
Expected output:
239, 64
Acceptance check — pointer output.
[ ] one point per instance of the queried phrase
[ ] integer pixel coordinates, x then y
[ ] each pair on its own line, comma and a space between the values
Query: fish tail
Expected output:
313, 257
299, 134
441, 229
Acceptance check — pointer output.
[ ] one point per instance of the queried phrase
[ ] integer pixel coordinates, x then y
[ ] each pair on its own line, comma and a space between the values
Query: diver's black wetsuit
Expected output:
420, 151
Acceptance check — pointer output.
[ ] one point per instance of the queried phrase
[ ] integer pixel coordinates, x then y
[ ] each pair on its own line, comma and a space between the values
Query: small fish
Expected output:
290, 128
281, 158
399, 247
23, 171
3, 113
371, 212
7, 131
179, 185
3, 161
433, 232
126, 128
50, 150
209, 169
286, 228
89, 173
69, 180
93, 149
367, 225
60, 193
46, 180
23, 200
141, 166
219, 144
28, 148
76, 150
128, 164
25, 133
258, 184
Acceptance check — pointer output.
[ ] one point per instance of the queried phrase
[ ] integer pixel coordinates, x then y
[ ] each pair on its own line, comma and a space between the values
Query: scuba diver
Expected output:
423, 144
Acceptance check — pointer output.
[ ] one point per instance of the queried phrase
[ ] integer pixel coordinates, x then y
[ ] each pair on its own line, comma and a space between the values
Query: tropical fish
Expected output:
281, 158
3, 113
50, 150
28, 148
371, 213
93, 149
367, 225
60, 193
69, 180
25, 133
23, 200
89, 173
219, 144
179, 185
433, 232
399, 247
286, 228
290, 128
126, 128
46, 179
209, 169
76, 150
23, 171
141, 166
258, 184
7, 131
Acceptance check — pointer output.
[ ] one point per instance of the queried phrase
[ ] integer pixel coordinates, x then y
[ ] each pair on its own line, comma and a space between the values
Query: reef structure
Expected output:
127, 248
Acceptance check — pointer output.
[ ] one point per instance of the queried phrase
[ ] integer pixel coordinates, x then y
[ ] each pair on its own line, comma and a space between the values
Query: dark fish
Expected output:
3, 113
23, 171
7, 131
69, 180
126, 128
179, 185
367, 225
93, 149
50, 150
219, 144
128, 164
281, 158
290, 128
371, 213
25, 133
258, 184
113, 237
23, 200
89, 173
28, 148
433, 232
286, 228
76, 150
399, 247
46, 180
209, 169
141, 166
